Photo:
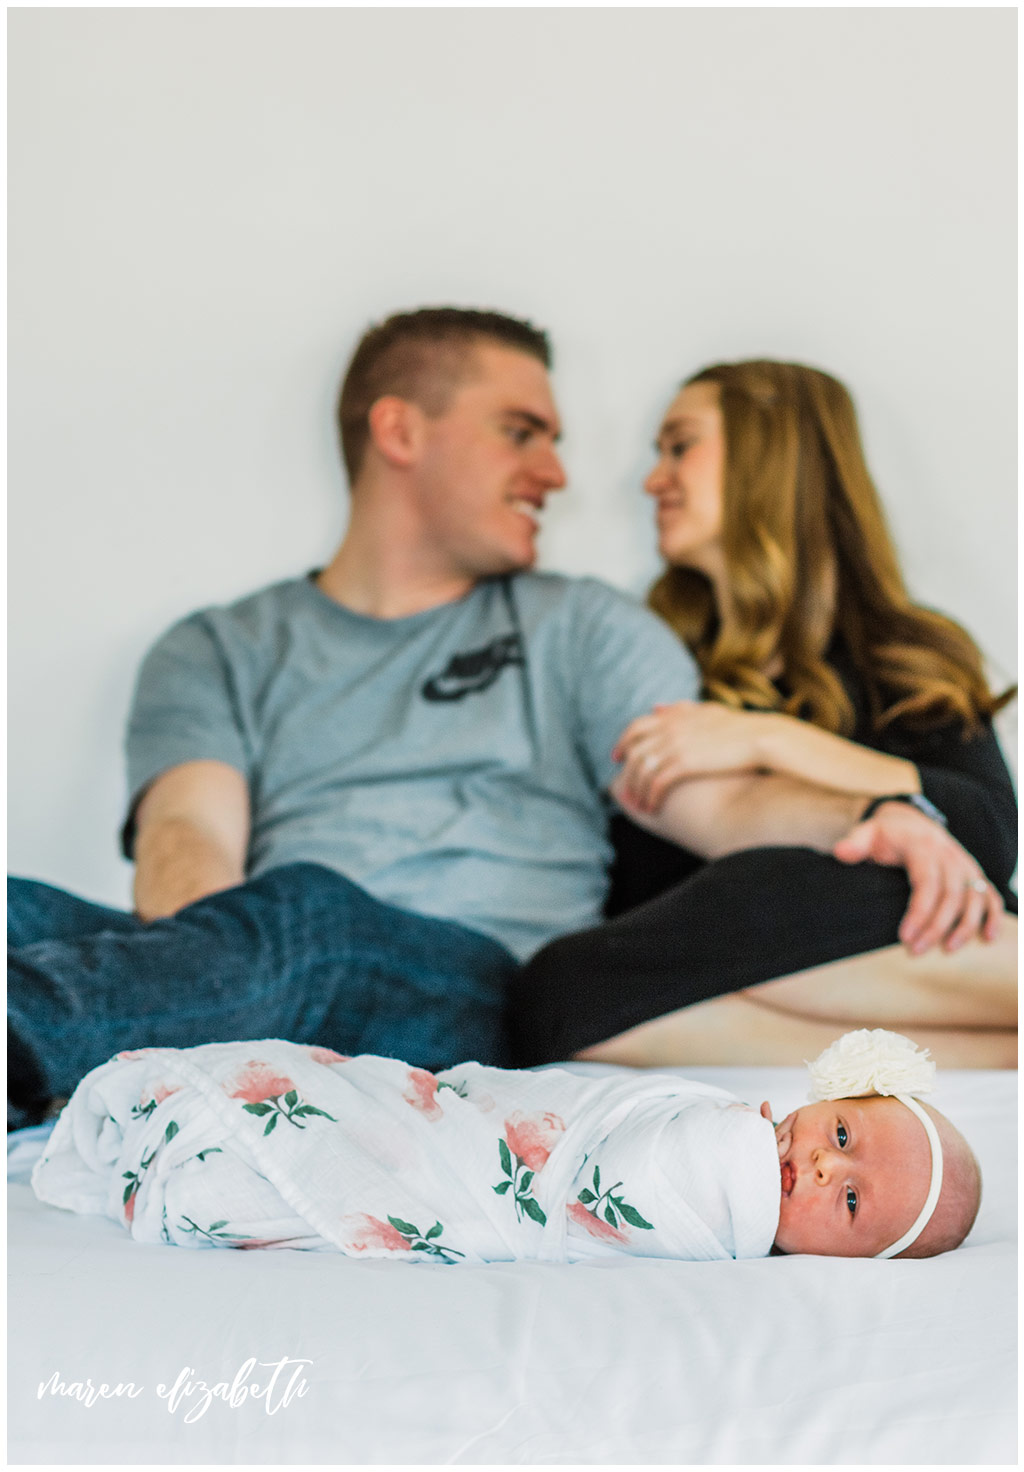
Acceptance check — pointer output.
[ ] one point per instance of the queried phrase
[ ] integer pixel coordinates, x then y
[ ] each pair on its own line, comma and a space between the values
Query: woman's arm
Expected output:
703, 738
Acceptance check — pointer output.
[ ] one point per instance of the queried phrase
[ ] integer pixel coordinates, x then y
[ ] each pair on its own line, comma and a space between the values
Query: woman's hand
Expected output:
703, 739
951, 900
690, 738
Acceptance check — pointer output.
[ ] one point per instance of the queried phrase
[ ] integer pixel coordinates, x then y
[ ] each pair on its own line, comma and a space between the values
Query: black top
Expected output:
964, 776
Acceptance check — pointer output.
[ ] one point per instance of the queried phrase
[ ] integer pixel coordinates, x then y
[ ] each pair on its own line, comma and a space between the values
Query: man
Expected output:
358, 799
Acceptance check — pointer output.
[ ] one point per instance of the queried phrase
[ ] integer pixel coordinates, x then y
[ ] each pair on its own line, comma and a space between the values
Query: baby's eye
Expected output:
842, 1137
851, 1200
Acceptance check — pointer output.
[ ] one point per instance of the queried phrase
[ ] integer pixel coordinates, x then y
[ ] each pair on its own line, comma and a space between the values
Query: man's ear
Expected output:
396, 429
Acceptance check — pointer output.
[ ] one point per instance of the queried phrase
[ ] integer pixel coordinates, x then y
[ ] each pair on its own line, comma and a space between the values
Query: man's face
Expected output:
855, 1174
487, 465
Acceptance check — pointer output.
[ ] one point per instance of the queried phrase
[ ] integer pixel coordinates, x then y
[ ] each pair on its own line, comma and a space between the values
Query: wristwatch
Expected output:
915, 800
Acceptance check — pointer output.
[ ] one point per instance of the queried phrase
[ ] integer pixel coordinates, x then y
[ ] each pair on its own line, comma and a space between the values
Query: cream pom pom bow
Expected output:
871, 1061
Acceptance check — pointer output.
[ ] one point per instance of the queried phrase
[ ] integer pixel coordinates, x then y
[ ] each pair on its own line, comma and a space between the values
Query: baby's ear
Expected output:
766, 1111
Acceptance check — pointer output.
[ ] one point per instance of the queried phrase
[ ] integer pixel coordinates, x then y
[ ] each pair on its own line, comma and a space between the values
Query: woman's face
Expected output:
687, 480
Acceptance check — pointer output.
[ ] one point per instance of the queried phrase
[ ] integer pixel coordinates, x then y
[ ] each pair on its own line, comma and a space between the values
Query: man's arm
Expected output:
714, 816
191, 836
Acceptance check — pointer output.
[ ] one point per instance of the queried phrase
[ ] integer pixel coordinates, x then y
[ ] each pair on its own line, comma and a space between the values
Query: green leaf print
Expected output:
633, 1217
285, 1106
134, 1177
425, 1242
215, 1231
406, 1228
520, 1180
615, 1207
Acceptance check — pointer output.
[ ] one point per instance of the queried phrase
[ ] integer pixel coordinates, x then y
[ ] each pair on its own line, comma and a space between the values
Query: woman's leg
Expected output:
762, 916
974, 987
961, 1006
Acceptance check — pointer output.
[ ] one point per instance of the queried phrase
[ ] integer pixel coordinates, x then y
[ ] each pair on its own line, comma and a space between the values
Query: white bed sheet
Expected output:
781, 1361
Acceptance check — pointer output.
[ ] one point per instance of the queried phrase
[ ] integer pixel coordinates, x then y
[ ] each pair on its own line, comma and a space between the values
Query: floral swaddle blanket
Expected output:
275, 1144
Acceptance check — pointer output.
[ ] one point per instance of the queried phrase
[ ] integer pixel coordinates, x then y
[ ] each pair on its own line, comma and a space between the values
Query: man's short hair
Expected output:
422, 356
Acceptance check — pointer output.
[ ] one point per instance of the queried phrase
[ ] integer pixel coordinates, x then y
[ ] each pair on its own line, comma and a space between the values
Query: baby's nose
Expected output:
824, 1163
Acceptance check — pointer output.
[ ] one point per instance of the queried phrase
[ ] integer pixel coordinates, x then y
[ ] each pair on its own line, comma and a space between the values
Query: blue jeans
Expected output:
300, 953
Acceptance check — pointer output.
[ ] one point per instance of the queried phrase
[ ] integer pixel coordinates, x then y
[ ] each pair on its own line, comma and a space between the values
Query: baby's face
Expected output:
855, 1174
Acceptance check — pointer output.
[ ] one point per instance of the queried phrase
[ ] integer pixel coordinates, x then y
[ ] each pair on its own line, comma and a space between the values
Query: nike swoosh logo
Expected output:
474, 671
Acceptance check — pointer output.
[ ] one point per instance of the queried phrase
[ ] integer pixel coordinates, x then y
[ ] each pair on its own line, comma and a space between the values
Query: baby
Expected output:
275, 1144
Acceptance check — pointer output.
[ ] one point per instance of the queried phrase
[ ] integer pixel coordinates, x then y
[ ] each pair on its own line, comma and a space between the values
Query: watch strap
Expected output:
912, 799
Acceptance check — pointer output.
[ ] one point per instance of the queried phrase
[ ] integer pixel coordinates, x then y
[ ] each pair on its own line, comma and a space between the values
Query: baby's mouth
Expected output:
788, 1178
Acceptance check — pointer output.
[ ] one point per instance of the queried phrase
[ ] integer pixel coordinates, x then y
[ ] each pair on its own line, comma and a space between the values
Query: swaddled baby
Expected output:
274, 1144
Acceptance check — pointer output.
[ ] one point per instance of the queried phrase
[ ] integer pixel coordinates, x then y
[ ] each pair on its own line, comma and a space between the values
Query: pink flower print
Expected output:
327, 1056
529, 1140
593, 1224
258, 1081
129, 1208
132, 1054
532, 1137
370, 1231
150, 1098
422, 1093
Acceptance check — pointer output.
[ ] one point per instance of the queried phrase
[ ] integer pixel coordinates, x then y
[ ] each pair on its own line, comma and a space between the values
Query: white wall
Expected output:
208, 206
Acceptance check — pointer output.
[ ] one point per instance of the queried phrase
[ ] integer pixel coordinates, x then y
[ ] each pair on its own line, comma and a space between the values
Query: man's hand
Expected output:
951, 901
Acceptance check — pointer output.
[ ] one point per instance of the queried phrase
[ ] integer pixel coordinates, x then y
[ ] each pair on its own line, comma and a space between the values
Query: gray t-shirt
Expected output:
453, 762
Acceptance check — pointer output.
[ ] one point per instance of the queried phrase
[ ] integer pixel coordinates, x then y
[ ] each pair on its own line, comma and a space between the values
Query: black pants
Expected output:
737, 921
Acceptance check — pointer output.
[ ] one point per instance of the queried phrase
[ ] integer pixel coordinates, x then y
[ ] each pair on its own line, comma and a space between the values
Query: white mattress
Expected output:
786, 1360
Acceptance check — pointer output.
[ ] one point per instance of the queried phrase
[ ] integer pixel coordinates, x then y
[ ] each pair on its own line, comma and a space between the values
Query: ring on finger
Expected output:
979, 886
649, 763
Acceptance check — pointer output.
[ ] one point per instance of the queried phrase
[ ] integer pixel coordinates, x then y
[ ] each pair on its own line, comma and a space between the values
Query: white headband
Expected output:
876, 1061
931, 1200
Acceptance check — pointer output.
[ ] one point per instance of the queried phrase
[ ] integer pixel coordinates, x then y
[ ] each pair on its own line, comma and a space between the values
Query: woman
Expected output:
815, 665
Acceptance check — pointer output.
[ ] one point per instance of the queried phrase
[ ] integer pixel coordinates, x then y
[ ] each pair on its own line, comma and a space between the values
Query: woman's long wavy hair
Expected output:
809, 557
